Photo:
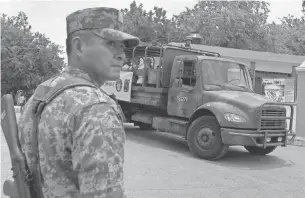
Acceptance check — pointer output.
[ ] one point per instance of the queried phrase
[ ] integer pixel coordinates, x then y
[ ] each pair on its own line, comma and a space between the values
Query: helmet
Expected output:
188, 39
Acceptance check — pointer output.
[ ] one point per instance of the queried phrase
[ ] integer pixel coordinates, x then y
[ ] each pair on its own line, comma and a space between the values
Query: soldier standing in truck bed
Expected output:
80, 132
188, 42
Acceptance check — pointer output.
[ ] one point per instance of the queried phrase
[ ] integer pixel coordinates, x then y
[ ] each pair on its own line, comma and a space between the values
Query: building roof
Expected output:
265, 61
221, 59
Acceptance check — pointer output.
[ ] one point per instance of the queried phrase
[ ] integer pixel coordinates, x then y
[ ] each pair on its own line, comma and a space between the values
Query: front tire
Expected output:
260, 151
204, 139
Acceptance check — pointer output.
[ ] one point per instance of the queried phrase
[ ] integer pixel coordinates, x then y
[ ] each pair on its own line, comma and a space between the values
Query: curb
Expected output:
298, 141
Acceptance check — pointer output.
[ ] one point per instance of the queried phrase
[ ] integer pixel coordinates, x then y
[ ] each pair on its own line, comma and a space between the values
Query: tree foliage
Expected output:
293, 36
149, 26
233, 24
27, 58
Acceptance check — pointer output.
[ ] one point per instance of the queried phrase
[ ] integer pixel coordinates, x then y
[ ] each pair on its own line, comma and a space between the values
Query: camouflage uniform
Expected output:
81, 135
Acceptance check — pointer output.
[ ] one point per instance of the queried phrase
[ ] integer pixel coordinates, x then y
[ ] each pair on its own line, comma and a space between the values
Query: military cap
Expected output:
102, 21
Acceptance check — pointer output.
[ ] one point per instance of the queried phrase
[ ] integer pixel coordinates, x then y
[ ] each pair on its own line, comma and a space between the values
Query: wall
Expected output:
300, 113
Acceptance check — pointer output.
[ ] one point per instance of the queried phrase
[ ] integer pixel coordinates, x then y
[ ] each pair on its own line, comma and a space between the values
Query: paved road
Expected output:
160, 166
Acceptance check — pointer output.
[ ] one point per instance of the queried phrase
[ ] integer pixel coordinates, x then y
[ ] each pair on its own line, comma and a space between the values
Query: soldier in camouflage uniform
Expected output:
80, 133
188, 42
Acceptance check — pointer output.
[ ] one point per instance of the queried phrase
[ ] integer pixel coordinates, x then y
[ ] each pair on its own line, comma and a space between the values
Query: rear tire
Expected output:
204, 139
260, 151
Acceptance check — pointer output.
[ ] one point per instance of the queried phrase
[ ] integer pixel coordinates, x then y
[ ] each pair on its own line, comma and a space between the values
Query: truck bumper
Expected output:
261, 138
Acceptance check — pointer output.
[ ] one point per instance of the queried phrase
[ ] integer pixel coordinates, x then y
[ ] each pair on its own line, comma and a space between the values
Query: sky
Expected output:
49, 16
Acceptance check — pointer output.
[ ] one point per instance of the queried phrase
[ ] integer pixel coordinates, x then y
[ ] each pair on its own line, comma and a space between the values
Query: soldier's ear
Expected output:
77, 45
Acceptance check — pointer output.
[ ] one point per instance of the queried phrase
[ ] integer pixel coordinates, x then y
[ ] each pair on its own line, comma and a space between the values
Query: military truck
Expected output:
203, 97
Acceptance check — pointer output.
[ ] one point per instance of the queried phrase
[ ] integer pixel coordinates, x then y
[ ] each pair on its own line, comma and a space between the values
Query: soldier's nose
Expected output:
120, 57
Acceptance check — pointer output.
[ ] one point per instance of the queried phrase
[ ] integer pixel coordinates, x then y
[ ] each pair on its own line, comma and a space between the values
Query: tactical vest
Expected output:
43, 96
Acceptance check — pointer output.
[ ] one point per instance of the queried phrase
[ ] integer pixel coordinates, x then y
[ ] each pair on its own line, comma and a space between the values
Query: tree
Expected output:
161, 24
136, 22
150, 25
294, 28
235, 24
232, 24
27, 58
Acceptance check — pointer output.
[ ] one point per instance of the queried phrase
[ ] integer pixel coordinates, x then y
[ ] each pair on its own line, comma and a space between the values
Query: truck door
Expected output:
184, 87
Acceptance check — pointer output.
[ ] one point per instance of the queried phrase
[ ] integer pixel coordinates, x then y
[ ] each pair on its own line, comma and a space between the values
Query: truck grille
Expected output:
273, 124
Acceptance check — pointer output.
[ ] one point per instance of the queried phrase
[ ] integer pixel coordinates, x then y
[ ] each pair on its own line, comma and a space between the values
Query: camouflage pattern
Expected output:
81, 142
105, 22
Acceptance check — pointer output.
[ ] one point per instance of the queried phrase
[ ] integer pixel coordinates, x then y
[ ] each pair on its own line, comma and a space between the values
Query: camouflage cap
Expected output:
106, 22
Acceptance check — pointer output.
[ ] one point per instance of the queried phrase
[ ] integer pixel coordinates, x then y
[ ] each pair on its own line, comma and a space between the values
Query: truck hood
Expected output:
238, 98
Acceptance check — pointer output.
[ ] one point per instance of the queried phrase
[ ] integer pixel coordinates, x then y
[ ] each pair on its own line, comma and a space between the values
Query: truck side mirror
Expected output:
252, 72
180, 69
252, 75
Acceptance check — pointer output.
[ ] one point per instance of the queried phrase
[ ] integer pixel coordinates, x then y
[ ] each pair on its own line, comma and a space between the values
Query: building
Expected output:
265, 62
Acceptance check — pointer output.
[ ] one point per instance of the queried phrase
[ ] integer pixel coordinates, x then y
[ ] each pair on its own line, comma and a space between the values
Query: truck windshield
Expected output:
220, 75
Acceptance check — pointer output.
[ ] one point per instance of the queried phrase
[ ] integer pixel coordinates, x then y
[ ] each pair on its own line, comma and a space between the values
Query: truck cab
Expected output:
205, 98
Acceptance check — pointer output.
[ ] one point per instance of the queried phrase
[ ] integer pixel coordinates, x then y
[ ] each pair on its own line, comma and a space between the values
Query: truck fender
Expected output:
217, 109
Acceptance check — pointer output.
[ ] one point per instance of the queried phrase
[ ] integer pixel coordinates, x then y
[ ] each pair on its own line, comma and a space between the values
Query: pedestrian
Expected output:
17, 97
80, 133
149, 63
22, 100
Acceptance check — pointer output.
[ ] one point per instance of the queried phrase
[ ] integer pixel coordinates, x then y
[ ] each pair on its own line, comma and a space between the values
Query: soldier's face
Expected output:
104, 58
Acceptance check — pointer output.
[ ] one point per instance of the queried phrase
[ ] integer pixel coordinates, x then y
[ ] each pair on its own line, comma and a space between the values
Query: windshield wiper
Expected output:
222, 86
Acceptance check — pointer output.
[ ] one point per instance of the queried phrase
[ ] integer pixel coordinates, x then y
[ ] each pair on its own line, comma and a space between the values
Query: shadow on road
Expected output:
240, 158
158, 140
235, 158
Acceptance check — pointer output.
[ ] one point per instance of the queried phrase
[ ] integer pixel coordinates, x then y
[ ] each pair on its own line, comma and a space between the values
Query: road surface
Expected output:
160, 166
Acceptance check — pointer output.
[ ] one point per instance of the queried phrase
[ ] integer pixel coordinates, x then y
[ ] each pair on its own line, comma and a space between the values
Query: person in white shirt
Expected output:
21, 101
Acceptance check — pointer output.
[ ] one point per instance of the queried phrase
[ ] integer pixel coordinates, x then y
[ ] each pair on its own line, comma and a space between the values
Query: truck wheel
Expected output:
204, 139
260, 151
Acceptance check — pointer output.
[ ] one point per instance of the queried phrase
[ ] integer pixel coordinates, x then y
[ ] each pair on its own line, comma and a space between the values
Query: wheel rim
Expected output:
206, 138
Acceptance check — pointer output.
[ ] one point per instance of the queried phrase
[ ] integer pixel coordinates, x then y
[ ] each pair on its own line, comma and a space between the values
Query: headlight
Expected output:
231, 117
